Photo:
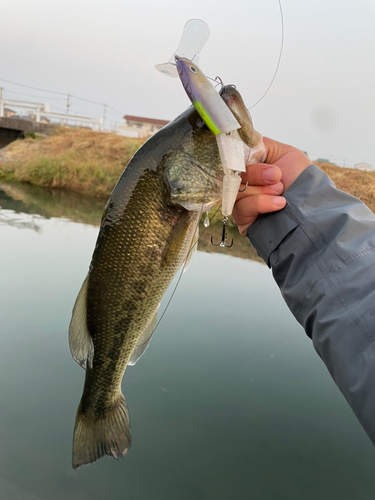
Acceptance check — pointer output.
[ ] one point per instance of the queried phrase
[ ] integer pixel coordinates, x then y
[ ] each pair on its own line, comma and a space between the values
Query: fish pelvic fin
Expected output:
95, 438
80, 340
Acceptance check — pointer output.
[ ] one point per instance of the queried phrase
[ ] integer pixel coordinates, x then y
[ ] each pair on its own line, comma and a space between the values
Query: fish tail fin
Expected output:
94, 438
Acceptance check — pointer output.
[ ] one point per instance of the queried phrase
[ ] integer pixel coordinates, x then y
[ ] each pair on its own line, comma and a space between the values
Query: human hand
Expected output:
283, 163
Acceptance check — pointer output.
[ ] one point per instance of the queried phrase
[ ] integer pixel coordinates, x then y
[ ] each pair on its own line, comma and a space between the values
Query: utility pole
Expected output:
68, 104
1, 103
105, 108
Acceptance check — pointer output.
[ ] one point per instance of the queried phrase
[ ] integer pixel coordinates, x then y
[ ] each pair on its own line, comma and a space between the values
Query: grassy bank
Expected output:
77, 159
356, 182
91, 162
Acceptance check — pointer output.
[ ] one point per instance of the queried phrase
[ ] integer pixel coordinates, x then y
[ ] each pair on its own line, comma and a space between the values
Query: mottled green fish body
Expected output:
144, 238
146, 233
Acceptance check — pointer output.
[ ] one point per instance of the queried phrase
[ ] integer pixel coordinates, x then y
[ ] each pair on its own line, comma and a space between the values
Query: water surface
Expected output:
229, 402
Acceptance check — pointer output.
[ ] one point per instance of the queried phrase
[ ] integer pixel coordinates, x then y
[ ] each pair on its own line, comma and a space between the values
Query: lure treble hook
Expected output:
223, 236
244, 189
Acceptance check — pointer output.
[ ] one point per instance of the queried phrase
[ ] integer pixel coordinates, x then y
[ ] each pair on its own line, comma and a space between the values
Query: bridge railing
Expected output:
42, 110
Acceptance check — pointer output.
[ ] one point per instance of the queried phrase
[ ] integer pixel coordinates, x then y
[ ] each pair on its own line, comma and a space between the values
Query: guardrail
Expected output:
42, 110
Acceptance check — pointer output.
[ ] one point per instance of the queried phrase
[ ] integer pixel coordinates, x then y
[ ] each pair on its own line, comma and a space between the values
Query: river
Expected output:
229, 402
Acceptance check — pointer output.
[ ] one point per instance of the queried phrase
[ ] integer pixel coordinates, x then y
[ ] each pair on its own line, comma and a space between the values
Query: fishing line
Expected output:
190, 250
183, 268
280, 54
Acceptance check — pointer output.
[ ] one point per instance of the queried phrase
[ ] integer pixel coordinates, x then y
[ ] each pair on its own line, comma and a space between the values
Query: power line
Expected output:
115, 110
30, 87
62, 93
32, 95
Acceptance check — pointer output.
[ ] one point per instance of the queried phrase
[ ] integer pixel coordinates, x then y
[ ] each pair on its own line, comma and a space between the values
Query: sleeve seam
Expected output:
300, 224
344, 302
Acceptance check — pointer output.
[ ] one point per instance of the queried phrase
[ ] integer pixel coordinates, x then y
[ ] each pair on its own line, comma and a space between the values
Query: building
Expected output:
8, 112
363, 166
137, 126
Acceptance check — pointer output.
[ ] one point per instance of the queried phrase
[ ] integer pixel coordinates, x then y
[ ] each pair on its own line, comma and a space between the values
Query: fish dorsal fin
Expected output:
192, 249
143, 341
80, 340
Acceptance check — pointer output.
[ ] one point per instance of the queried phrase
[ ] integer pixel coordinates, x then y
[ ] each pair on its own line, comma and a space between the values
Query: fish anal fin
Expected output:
143, 341
80, 340
95, 438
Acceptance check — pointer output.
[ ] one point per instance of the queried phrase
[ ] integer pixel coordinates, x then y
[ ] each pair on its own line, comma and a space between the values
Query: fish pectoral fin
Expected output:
143, 341
109, 435
80, 340
192, 249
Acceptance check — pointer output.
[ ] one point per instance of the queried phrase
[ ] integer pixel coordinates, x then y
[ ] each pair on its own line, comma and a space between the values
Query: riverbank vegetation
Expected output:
91, 162
76, 159
358, 183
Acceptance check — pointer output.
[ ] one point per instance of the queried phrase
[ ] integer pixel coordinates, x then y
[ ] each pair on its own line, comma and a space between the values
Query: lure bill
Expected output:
194, 37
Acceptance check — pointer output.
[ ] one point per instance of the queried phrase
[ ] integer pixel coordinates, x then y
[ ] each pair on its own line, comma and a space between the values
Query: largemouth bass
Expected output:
147, 230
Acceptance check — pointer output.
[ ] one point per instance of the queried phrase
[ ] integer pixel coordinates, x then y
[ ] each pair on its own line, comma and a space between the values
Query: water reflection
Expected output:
229, 402
51, 203
19, 220
81, 208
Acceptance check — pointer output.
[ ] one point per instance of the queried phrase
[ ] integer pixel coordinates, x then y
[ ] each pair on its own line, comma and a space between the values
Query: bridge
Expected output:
40, 120
14, 128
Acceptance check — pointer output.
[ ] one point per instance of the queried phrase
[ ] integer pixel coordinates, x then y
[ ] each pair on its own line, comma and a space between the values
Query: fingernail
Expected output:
279, 201
269, 174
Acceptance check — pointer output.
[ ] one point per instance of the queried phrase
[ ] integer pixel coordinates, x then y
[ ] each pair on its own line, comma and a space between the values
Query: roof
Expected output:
19, 117
145, 120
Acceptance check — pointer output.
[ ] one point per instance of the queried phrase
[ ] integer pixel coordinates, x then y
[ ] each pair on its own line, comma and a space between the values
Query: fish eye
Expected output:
193, 69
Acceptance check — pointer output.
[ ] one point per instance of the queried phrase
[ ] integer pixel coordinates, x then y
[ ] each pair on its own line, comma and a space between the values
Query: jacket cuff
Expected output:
269, 230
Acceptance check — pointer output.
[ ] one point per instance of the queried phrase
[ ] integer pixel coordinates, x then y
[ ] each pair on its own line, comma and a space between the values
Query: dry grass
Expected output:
91, 162
356, 182
76, 159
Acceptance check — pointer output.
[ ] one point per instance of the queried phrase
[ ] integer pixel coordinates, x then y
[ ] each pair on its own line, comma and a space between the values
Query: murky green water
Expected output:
230, 401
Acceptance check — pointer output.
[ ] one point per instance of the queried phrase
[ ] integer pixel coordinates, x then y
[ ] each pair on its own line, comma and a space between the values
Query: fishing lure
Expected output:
235, 154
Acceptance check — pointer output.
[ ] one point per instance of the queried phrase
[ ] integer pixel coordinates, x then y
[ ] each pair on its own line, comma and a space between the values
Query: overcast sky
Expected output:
322, 100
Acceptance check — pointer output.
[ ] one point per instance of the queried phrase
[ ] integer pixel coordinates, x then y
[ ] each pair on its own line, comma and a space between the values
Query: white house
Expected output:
137, 126
363, 166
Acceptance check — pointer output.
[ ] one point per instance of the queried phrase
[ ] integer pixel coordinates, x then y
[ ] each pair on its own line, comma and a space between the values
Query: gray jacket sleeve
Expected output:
321, 248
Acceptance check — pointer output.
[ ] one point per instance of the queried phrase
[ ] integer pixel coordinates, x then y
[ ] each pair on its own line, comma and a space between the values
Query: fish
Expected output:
149, 229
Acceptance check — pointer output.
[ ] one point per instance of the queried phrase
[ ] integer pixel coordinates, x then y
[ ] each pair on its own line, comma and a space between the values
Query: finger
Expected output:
258, 204
247, 209
275, 150
274, 189
260, 174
